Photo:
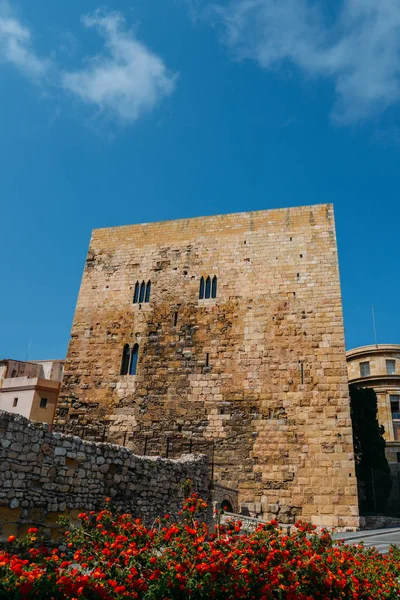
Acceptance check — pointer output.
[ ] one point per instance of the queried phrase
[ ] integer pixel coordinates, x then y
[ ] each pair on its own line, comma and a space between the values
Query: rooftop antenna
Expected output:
373, 321
29, 349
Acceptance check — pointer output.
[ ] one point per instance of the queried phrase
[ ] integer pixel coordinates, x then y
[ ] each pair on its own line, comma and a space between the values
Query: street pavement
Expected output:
382, 539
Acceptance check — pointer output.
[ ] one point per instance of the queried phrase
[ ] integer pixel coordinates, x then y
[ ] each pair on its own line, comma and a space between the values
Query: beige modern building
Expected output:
378, 366
30, 388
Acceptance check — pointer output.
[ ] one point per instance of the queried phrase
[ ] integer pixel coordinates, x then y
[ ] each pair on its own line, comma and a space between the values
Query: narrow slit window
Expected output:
175, 319
207, 360
201, 292
208, 287
15, 402
148, 290
142, 292
214, 287
125, 360
301, 367
136, 293
134, 359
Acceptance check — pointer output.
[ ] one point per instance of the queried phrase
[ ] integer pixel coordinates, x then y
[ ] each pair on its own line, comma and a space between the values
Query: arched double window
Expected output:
142, 292
129, 359
208, 288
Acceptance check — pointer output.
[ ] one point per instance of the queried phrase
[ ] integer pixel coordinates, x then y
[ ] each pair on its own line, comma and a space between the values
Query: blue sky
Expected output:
161, 109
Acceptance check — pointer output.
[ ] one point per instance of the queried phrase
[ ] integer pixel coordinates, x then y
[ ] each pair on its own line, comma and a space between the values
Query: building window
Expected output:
129, 359
15, 402
134, 359
142, 292
398, 457
43, 402
126, 354
391, 367
148, 290
214, 287
136, 294
208, 288
364, 369
395, 405
14, 373
201, 293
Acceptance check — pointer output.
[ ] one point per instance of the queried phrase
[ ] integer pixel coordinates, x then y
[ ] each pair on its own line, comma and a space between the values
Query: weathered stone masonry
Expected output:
260, 370
43, 475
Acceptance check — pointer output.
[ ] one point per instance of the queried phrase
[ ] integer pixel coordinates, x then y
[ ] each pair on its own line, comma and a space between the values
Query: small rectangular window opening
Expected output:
398, 457
43, 402
175, 318
207, 359
15, 402
365, 370
394, 403
391, 367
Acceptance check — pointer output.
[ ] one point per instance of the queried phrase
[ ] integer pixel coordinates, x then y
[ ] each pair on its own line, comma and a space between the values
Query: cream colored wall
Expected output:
25, 399
377, 364
29, 392
51, 369
384, 388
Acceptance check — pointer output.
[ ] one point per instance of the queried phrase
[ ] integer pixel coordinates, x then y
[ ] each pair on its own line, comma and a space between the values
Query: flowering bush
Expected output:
115, 556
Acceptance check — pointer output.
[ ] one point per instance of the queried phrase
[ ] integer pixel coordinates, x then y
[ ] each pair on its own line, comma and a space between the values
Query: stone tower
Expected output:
224, 334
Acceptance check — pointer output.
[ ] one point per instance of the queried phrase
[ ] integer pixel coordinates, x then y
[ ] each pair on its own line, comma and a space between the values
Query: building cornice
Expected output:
371, 380
372, 349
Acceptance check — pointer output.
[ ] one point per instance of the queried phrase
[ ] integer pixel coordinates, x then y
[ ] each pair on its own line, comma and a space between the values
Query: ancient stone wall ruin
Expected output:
255, 377
43, 475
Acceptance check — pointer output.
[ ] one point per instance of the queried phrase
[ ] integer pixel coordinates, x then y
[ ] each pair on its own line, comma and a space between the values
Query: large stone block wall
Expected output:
43, 475
256, 377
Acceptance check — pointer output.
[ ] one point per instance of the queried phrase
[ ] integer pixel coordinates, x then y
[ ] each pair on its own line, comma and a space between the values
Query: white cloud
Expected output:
16, 45
127, 79
359, 51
